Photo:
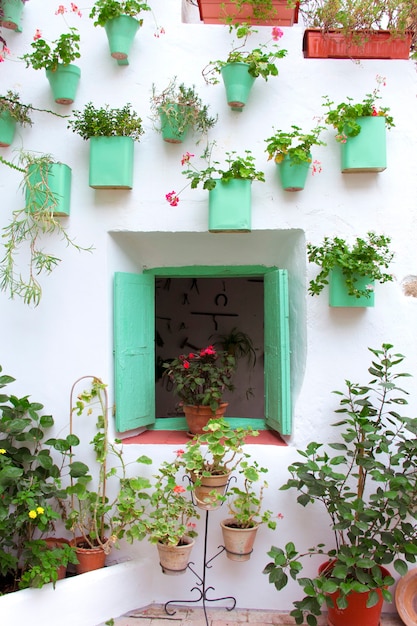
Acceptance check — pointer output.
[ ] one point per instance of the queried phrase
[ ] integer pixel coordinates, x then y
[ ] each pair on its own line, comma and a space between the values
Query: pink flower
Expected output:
280, 516
374, 112
209, 351
172, 198
191, 355
186, 157
316, 167
61, 10
160, 30
341, 138
3, 53
178, 489
191, 525
75, 9
37, 35
186, 365
277, 33
179, 452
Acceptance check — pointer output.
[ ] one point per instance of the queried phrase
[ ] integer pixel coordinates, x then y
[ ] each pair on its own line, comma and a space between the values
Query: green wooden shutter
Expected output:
134, 351
277, 352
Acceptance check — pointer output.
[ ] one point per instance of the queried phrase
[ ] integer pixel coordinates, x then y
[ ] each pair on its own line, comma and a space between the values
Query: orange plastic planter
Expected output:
216, 11
334, 45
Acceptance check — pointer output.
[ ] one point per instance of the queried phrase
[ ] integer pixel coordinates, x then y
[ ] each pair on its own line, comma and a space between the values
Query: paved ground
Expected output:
155, 615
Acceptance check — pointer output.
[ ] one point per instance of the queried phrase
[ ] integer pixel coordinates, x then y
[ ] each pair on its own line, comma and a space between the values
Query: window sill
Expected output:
265, 437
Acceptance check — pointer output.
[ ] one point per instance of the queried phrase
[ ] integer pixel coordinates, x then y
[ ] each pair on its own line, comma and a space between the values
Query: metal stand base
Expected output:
200, 586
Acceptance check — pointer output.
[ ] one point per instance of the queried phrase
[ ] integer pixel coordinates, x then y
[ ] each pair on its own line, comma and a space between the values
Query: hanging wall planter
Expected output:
230, 206
318, 44
238, 83
172, 123
64, 82
215, 12
7, 129
120, 33
338, 292
12, 14
57, 183
111, 162
293, 176
367, 151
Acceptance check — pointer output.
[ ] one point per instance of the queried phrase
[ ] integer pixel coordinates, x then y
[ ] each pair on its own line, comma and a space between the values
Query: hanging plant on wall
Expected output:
12, 112
30, 223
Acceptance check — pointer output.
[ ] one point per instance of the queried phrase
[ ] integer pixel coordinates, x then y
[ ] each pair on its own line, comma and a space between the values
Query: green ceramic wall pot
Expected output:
367, 152
238, 83
12, 14
120, 33
293, 176
230, 207
339, 296
7, 129
172, 124
57, 181
111, 162
64, 82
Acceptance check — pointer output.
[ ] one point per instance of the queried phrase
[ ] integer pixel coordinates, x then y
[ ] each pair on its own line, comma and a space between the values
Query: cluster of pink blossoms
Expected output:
37, 34
316, 167
172, 198
160, 30
277, 33
74, 9
178, 489
4, 51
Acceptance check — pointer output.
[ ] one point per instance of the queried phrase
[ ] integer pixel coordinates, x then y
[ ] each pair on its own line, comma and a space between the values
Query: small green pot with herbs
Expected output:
12, 112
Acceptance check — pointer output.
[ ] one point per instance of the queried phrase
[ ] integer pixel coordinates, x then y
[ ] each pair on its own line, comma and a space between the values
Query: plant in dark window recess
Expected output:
365, 479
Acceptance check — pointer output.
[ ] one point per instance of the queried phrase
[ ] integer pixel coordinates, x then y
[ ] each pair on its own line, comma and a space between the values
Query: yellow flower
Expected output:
2, 451
33, 514
40, 510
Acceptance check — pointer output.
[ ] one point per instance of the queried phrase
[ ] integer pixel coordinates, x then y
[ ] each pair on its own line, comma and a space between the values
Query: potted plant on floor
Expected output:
56, 60
360, 29
210, 458
291, 151
241, 67
12, 112
169, 520
366, 481
229, 187
179, 109
351, 270
245, 507
361, 131
259, 12
121, 22
46, 187
200, 380
111, 133
31, 465
98, 521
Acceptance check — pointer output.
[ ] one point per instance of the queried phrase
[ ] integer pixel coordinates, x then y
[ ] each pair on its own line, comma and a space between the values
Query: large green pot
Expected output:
367, 152
58, 182
111, 162
230, 206
7, 129
172, 125
120, 33
12, 14
339, 296
64, 82
238, 83
293, 176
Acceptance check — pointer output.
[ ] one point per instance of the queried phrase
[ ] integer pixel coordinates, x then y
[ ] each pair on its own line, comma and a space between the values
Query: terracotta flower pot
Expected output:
197, 416
206, 494
89, 559
58, 542
238, 541
174, 559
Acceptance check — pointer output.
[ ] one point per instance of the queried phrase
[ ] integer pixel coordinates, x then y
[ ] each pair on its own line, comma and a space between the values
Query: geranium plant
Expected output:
47, 56
366, 258
201, 378
106, 122
105, 10
343, 117
182, 107
365, 479
296, 144
245, 500
261, 60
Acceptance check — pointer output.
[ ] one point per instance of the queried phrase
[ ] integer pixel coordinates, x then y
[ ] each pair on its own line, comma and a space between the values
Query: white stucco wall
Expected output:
70, 333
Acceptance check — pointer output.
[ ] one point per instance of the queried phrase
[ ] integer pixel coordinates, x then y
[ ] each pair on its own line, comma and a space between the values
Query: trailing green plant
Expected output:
365, 258
201, 378
358, 18
296, 144
27, 228
63, 50
366, 481
106, 122
32, 465
245, 501
188, 111
344, 116
238, 344
261, 60
18, 111
262, 10
105, 10
93, 517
